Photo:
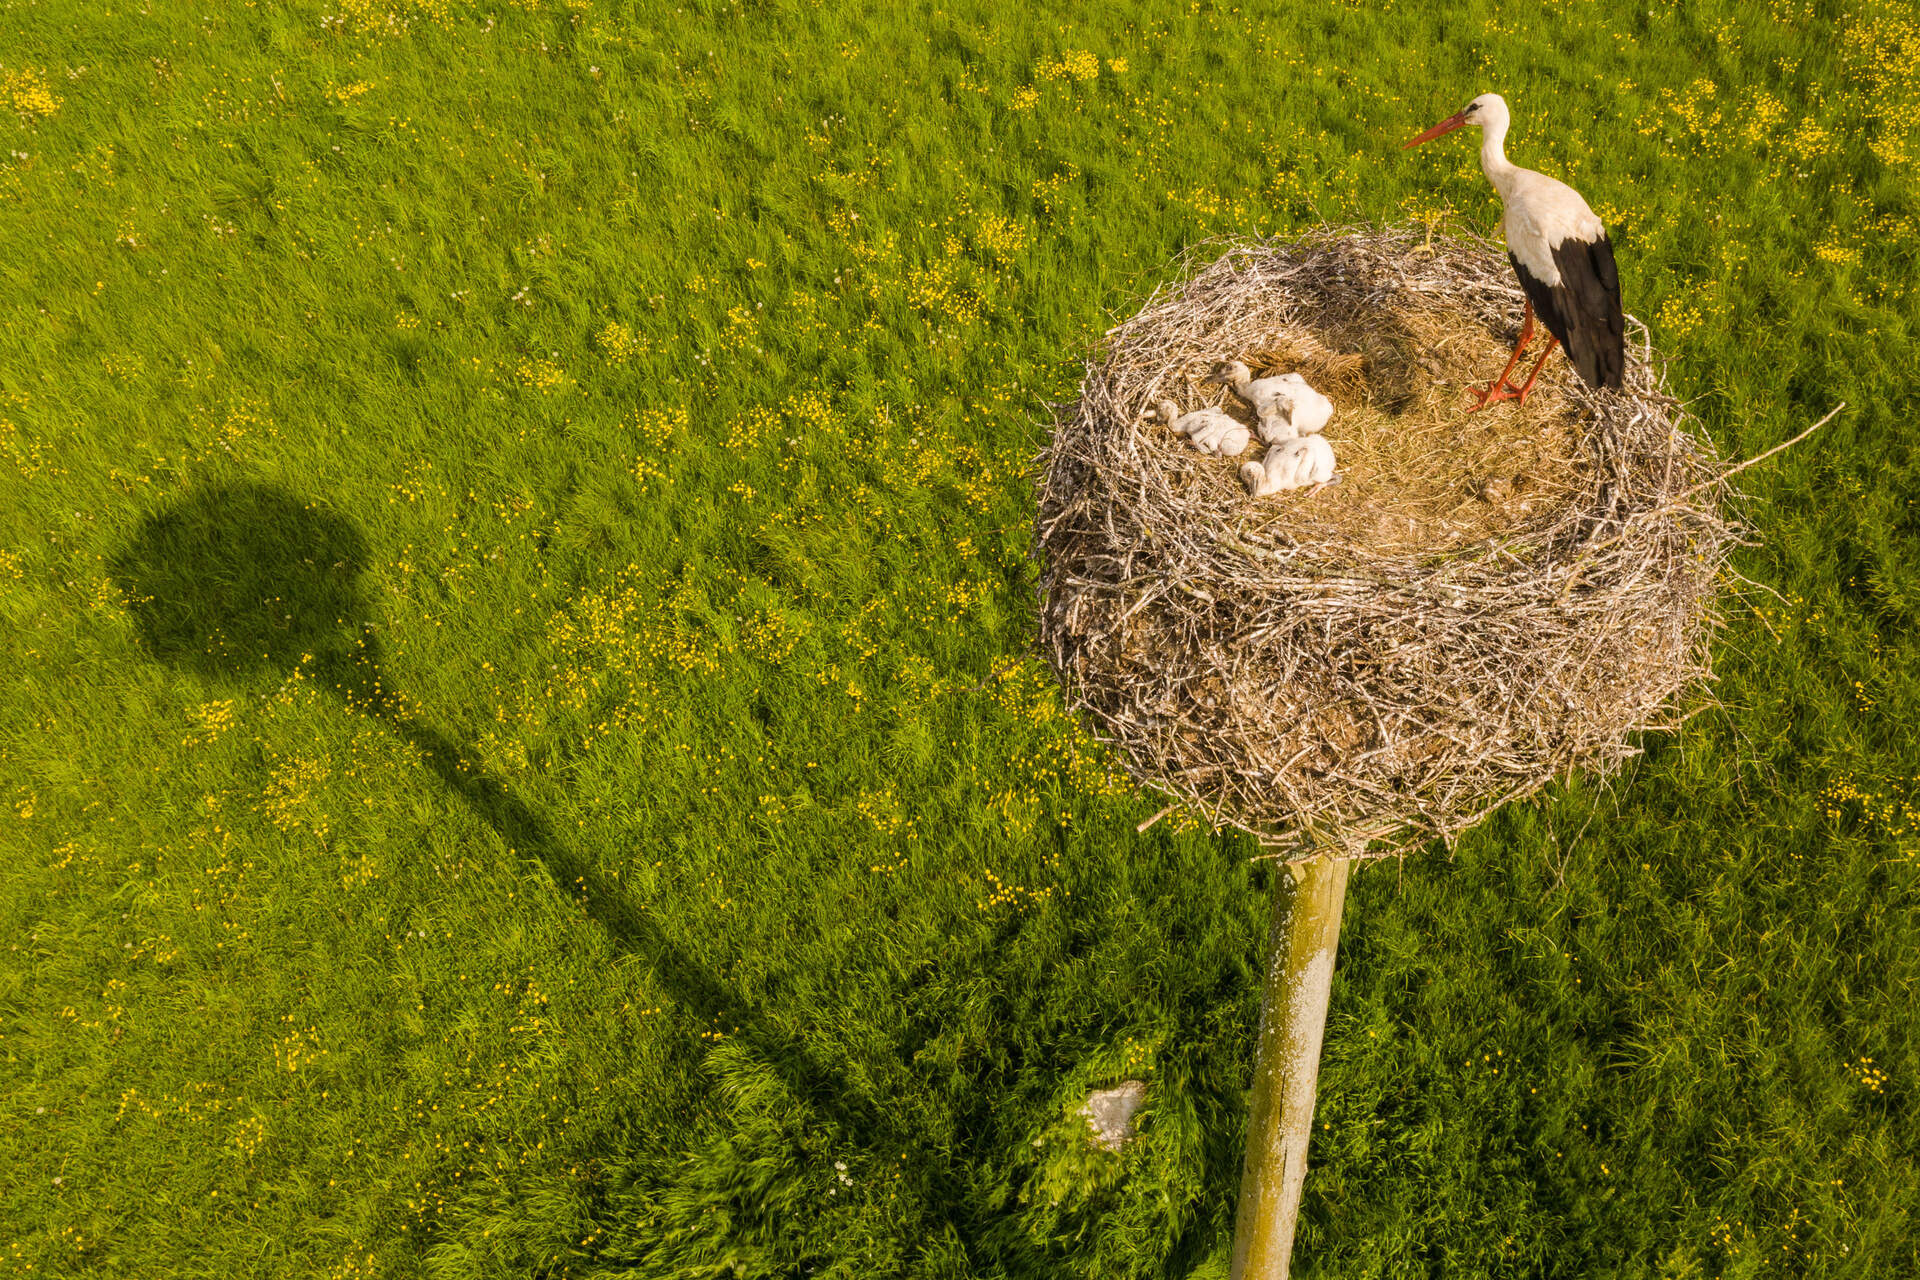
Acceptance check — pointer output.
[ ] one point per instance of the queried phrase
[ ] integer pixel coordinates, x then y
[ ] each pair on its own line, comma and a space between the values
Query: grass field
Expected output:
514, 520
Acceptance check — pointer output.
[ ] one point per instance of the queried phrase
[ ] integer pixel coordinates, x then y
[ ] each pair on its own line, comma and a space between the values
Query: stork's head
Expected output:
1166, 411
1489, 111
1230, 371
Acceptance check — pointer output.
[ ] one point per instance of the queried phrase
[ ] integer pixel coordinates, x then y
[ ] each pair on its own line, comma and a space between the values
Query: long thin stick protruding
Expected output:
1678, 500
1760, 457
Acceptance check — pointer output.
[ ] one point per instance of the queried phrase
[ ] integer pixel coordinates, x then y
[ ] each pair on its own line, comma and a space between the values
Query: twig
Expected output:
1675, 504
1761, 457
1155, 818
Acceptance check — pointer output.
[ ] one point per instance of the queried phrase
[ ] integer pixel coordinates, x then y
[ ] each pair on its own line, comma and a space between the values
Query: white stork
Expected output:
1559, 250
1208, 430
1286, 405
1304, 462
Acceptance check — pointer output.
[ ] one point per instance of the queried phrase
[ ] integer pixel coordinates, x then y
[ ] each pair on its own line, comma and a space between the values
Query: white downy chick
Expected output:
1208, 430
1290, 464
1287, 406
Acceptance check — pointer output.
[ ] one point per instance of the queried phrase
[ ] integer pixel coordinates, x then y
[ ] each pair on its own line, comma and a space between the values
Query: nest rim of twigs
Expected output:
1323, 694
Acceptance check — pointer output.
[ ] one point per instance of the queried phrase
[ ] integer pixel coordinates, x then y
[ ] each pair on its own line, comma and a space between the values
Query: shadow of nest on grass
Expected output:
1485, 601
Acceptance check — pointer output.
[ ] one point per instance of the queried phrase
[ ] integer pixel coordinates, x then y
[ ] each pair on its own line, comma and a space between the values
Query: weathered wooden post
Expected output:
1308, 898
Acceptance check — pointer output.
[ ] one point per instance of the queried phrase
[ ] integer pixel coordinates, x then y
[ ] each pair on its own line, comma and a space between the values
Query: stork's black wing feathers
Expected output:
1583, 310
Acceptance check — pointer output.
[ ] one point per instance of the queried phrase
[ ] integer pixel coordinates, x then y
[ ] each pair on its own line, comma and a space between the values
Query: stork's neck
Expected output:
1493, 157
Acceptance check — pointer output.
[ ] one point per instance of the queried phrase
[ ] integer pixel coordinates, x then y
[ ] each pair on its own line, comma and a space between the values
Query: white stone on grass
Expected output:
1109, 1113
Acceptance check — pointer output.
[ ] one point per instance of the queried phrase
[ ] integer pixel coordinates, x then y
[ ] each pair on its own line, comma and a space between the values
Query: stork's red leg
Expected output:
1500, 389
1536, 369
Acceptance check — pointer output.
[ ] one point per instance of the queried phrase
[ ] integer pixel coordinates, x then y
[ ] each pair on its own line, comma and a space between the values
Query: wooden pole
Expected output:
1305, 935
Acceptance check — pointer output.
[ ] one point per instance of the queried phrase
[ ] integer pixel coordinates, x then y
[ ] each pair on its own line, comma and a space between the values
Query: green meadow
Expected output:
521, 753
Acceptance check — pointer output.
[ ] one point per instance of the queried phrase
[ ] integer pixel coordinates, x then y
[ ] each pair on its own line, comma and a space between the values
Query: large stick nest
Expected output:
1487, 600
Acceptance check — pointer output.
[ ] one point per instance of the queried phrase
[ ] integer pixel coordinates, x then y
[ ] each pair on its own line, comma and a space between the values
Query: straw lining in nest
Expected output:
1487, 600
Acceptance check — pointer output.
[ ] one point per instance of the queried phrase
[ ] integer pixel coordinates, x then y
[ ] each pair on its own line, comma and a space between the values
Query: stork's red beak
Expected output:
1448, 125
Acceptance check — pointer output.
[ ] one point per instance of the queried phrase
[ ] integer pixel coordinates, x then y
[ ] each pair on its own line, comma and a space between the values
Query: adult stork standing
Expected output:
1559, 250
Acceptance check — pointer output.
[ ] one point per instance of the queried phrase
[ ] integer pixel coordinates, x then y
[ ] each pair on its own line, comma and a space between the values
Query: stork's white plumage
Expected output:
1208, 430
1560, 251
1286, 405
1290, 464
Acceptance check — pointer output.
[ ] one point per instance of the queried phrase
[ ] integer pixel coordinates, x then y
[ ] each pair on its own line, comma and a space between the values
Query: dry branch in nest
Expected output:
1487, 600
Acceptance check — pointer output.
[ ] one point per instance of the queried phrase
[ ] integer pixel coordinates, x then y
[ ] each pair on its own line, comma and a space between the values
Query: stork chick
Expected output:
1287, 406
1291, 464
1208, 430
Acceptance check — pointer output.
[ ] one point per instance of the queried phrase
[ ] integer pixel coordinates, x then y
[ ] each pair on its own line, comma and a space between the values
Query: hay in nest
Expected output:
1486, 600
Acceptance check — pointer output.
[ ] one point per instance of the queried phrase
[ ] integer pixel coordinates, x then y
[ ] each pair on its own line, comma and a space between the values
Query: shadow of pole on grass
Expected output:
245, 580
